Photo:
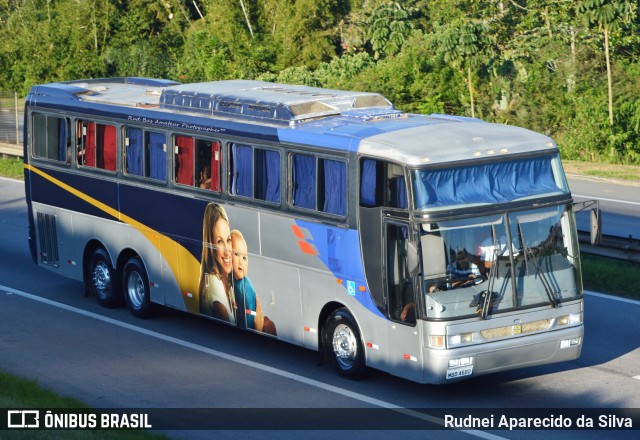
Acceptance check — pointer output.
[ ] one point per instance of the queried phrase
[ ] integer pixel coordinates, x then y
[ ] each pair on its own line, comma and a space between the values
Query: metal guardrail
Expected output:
10, 150
11, 119
620, 248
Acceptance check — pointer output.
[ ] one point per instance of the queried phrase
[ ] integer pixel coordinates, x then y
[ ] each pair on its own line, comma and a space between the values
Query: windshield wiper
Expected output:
531, 252
493, 270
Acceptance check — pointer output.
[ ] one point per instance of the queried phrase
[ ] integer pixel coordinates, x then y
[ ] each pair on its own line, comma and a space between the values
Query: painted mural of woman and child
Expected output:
225, 290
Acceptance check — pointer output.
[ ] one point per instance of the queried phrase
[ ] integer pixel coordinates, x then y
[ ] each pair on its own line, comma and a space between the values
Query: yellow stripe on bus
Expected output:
184, 266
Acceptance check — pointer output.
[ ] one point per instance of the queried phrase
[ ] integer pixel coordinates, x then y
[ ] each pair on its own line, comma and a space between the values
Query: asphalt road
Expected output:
51, 332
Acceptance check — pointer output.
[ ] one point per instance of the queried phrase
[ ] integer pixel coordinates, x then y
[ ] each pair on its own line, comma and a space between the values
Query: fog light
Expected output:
566, 343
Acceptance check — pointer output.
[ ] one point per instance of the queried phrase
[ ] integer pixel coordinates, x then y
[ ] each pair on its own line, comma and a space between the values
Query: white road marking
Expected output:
607, 200
311, 382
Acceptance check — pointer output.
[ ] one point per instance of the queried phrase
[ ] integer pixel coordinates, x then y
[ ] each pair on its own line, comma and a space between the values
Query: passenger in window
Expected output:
249, 313
216, 285
463, 272
205, 178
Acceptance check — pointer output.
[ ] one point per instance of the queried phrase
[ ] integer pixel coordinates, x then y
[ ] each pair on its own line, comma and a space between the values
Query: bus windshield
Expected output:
488, 183
499, 263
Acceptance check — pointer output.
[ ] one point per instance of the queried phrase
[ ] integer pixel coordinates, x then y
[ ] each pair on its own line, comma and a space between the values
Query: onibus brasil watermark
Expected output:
41, 419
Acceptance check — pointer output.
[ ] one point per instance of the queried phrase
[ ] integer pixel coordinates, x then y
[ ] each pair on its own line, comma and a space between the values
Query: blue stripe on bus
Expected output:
339, 250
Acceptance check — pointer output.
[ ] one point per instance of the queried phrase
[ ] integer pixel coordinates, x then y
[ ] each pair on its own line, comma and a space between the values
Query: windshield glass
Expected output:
488, 183
494, 264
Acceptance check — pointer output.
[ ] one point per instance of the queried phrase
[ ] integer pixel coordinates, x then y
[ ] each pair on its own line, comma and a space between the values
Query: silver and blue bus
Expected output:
434, 248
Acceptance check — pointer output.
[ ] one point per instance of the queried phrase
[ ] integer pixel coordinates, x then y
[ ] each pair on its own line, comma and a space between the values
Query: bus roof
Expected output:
361, 122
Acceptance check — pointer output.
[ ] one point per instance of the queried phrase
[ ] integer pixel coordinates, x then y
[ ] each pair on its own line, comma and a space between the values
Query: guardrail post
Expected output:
15, 94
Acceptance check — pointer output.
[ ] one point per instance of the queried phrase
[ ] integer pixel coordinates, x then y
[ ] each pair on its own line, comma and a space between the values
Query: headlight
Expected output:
459, 339
573, 319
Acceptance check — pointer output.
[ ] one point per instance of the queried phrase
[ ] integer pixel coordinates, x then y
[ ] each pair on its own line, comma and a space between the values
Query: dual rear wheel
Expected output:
112, 289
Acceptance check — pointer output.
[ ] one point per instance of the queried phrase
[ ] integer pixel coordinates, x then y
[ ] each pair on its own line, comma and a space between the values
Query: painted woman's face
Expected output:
222, 242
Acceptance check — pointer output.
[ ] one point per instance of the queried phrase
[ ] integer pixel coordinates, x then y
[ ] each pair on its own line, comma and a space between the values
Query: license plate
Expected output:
459, 372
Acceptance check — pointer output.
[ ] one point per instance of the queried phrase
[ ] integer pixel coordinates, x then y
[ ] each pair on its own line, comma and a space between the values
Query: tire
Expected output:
102, 280
344, 343
135, 285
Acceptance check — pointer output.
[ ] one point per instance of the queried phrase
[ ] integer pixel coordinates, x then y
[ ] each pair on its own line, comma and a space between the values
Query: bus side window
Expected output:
319, 184
51, 137
255, 172
304, 181
267, 175
382, 184
332, 186
241, 170
96, 145
156, 153
134, 152
145, 153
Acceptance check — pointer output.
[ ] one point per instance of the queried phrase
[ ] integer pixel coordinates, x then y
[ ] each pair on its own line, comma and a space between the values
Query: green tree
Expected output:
389, 26
466, 45
608, 16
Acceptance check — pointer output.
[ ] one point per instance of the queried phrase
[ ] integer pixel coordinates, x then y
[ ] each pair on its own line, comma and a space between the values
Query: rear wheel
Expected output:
135, 284
102, 280
343, 340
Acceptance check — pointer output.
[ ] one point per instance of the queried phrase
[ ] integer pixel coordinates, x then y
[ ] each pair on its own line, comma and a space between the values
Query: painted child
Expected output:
249, 313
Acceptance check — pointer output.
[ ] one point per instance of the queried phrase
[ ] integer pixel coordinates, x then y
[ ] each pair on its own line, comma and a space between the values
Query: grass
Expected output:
16, 393
11, 168
612, 276
629, 173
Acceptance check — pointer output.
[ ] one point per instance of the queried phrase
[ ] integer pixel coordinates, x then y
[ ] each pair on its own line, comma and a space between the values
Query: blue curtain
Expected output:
304, 181
368, 183
335, 187
134, 152
242, 173
157, 156
267, 175
486, 183
63, 138
398, 193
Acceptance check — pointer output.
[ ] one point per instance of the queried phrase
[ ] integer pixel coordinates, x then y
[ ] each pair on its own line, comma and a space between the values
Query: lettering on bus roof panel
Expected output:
172, 124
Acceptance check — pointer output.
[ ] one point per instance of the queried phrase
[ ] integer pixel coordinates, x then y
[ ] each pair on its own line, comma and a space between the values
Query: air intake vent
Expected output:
47, 232
266, 102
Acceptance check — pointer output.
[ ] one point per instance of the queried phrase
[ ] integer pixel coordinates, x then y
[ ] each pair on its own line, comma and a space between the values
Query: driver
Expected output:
462, 272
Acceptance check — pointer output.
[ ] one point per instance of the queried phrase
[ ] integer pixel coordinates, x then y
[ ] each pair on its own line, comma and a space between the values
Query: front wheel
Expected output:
135, 284
343, 340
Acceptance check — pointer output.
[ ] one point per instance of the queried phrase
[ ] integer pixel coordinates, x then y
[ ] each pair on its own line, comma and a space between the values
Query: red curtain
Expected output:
184, 160
107, 145
215, 166
90, 144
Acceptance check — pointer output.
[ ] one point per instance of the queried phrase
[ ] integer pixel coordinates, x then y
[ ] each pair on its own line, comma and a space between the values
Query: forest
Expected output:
569, 69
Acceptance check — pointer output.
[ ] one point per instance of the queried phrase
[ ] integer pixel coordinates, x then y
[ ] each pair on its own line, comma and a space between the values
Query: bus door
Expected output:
404, 352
